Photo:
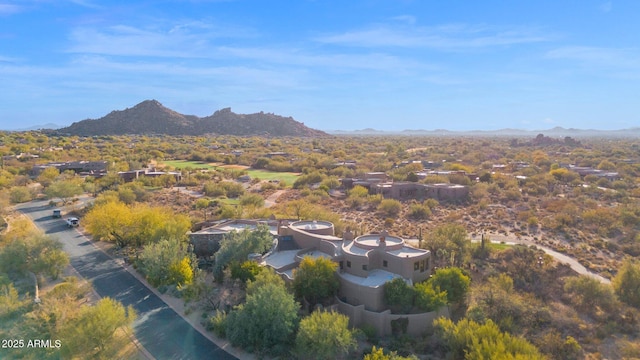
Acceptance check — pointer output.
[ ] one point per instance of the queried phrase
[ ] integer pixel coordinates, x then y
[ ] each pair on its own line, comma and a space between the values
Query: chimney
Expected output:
382, 243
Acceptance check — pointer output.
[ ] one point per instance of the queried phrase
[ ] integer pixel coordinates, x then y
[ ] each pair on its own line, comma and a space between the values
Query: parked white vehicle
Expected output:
73, 222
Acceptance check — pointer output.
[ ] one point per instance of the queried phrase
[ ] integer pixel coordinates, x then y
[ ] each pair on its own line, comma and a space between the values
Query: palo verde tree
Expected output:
315, 280
137, 225
324, 335
93, 332
64, 189
453, 281
36, 253
470, 340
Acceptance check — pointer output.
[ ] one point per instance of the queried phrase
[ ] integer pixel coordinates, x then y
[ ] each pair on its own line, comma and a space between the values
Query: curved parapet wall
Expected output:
373, 241
314, 227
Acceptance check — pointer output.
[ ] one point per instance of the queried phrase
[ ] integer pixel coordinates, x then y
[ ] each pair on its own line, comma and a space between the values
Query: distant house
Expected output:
586, 170
132, 175
409, 190
276, 154
79, 167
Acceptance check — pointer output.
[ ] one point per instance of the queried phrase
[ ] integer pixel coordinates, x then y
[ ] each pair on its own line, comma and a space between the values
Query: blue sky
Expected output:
384, 64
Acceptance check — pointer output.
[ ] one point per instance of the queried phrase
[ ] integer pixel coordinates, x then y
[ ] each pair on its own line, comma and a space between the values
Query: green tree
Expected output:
453, 281
315, 279
588, 294
266, 322
39, 254
627, 283
20, 194
324, 335
398, 295
427, 298
237, 246
245, 271
48, 176
93, 333
10, 301
167, 263
64, 189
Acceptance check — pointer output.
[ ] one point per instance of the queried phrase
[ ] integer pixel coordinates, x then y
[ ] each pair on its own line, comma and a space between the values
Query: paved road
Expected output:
158, 328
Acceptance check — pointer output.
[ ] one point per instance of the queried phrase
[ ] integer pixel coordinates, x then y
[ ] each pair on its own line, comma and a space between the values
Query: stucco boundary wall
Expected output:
381, 321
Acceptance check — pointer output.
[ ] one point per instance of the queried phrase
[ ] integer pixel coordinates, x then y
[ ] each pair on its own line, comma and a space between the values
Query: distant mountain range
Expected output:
150, 117
38, 127
554, 132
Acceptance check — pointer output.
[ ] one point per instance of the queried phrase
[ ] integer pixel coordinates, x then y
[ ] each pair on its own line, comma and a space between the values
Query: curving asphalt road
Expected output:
162, 332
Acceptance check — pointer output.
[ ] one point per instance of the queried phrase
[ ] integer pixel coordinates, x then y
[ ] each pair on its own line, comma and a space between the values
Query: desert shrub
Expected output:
390, 207
218, 323
419, 211
306, 179
20, 194
252, 199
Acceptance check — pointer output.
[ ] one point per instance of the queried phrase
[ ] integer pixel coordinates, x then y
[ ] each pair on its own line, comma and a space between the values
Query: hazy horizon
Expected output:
333, 65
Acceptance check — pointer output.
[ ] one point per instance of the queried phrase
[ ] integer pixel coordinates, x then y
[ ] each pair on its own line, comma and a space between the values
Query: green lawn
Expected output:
499, 246
181, 164
286, 177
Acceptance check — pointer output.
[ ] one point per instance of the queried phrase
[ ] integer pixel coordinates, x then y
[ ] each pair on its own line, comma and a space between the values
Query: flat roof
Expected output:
354, 249
408, 251
373, 240
211, 230
317, 254
280, 259
376, 278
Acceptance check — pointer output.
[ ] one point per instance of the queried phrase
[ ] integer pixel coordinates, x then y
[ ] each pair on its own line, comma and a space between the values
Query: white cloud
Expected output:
188, 39
446, 37
87, 4
608, 57
409, 19
9, 9
287, 56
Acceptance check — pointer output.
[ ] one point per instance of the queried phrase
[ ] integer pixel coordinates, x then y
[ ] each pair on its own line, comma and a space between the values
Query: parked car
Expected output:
56, 213
73, 222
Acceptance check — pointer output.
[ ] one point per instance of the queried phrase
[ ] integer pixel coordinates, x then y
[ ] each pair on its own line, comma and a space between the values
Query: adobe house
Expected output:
410, 190
365, 264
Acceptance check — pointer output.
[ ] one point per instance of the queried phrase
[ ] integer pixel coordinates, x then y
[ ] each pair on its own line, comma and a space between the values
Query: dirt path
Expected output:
512, 240
573, 263
271, 200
